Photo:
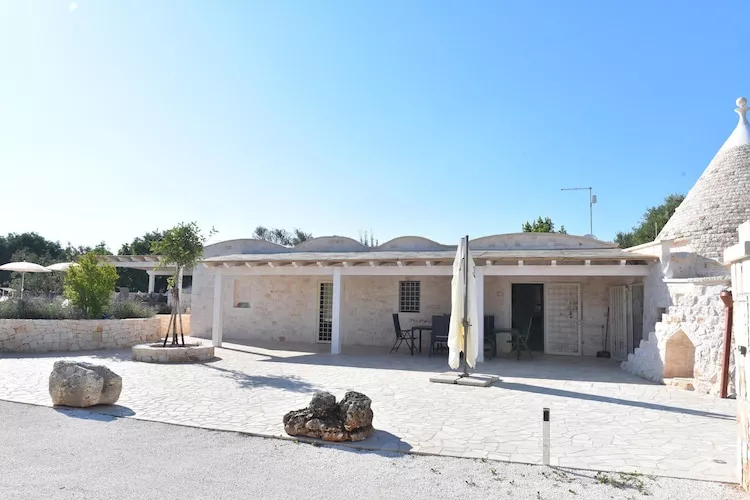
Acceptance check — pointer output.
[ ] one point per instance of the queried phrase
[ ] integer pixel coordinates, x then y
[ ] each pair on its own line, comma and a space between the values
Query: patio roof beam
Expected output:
323, 269
563, 270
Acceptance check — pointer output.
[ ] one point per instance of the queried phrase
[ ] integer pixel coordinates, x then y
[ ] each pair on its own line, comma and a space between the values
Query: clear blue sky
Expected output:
432, 118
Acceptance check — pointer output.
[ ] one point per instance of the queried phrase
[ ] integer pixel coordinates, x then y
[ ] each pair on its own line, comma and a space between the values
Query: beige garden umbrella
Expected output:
463, 334
61, 266
23, 268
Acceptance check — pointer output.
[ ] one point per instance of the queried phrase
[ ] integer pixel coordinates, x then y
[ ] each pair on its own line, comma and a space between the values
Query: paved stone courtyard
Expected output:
602, 417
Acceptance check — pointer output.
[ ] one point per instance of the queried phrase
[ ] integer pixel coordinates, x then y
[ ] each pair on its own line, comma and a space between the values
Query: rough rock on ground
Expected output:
350, 420
80, 384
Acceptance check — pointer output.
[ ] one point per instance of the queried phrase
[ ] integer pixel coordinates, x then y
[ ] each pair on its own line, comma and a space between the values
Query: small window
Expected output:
408, 296
241, 298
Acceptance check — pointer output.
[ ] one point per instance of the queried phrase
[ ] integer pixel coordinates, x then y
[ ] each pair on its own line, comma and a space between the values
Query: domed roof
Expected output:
720, 200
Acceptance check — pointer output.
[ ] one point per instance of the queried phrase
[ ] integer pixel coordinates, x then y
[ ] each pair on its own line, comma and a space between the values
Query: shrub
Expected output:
89, 285
37, 308
124, 309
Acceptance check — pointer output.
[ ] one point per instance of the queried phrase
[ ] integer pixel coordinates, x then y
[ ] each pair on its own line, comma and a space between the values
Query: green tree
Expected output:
181, 247
652, 221
135, 279
72, 253
90, 284
368, 238
542, 226
281, 236
31, 247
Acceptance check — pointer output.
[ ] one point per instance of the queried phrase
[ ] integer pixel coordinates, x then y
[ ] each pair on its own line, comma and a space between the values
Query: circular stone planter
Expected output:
195, 351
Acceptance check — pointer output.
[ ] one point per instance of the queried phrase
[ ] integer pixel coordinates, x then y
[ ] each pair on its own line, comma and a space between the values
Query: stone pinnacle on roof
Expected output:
741, 134
720, 199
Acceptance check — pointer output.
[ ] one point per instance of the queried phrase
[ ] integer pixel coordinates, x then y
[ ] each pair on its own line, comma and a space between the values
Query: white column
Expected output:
151, 281
479, 275
218, 323
336, 312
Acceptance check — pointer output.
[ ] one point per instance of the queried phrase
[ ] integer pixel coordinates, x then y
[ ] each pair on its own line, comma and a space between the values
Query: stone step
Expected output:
680, 382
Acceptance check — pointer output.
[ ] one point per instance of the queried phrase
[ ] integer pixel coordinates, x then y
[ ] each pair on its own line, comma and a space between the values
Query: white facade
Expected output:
273, 294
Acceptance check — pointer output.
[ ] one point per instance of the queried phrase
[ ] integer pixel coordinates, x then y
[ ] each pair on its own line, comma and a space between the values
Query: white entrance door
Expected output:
325, 312
618, 322
563, 326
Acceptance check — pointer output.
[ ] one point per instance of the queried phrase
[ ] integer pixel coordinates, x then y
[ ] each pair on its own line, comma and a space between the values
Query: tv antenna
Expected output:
592, 200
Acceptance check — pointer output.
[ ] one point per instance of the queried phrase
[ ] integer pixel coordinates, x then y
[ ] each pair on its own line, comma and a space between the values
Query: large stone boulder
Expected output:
80, 384
349, 420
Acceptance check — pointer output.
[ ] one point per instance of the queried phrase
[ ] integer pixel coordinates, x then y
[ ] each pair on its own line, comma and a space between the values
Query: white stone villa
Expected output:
659, 304
335, 290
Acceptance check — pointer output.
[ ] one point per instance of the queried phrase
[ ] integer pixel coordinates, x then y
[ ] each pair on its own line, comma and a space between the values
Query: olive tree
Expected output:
181, 247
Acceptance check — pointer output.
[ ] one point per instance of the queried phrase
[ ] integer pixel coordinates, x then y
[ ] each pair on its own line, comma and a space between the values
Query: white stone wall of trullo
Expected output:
44, 335
697, 310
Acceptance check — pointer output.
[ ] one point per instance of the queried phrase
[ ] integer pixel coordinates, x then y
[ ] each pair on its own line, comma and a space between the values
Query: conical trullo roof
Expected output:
720, 200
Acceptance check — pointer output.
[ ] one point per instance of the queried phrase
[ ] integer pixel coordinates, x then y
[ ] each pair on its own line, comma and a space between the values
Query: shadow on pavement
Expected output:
512, 386
382, 443
246, 381
100, 413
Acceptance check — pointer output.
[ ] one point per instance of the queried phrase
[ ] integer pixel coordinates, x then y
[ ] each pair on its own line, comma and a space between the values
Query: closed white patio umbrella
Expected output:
23, 268
463, 334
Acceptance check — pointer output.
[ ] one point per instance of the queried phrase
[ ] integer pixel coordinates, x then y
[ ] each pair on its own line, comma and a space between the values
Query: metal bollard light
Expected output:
545, 436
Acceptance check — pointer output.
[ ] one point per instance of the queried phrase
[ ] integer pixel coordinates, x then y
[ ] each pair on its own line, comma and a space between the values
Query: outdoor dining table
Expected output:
420, 328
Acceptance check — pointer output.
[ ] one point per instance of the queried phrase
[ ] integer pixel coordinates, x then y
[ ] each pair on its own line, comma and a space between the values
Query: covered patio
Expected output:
602, 418
333, 291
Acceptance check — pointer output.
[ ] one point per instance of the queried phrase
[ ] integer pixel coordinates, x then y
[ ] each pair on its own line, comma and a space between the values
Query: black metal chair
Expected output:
439, 334
520, 341
490, 341
401, 336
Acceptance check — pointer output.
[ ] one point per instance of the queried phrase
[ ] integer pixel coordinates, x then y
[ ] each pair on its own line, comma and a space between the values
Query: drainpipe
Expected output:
726, 298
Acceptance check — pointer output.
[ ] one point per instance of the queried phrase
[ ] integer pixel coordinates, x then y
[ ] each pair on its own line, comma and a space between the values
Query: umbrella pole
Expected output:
466, 303
22, 275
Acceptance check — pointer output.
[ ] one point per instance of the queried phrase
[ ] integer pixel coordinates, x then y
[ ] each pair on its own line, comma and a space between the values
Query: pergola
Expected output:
601, 262
148, 264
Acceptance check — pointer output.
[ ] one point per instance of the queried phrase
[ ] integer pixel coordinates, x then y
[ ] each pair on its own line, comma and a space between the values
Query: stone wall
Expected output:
739, 256
691, 313
285, 308
164, 318
46, 335
368, 304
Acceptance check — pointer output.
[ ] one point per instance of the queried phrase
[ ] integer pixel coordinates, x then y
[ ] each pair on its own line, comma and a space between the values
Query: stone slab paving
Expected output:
602, 417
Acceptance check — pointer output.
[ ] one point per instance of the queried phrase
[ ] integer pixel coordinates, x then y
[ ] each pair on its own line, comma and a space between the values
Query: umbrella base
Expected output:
473, 380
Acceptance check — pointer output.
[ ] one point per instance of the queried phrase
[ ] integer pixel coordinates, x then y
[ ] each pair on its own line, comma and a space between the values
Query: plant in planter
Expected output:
89, 285
181, 247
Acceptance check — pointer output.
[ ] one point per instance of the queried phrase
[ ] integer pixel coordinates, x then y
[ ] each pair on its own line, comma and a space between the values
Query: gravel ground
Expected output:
73, 454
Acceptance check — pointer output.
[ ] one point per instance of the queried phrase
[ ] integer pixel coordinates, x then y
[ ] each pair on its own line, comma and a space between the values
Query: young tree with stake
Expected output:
181, 247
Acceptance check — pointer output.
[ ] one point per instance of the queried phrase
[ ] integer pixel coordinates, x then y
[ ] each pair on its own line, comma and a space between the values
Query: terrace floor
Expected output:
601, 417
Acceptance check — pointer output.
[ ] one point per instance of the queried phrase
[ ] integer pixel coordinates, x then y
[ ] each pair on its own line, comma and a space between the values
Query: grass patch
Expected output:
623, 481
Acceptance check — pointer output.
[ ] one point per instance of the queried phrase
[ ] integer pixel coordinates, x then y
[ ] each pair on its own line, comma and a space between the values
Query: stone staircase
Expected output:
646, 360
